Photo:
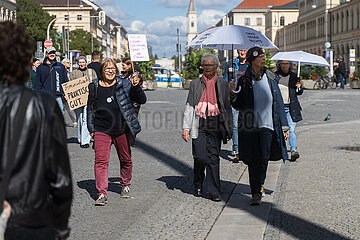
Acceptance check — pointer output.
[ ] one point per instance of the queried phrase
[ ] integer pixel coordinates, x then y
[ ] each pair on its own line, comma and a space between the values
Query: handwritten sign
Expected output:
138, 48
76, 92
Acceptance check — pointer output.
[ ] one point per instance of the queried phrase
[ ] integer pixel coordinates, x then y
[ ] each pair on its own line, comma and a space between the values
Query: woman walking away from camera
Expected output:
208, 116
262, 120
35, 175
83, 132
112, 120
290, 87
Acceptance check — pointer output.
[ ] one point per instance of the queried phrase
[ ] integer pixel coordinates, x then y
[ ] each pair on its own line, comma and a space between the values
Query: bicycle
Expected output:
323, 82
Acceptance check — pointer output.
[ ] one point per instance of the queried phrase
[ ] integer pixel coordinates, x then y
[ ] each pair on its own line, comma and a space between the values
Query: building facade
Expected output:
7, 10
277, 18
84, 14
333, 21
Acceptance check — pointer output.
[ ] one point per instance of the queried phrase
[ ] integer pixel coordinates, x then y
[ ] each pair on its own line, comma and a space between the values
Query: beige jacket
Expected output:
90, 73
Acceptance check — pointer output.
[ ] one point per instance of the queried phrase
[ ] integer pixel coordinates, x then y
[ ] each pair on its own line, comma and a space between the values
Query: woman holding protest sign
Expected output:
83, 132
112, 120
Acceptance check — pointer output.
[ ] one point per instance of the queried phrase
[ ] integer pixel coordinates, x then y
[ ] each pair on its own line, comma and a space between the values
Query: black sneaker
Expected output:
294, 155
256, 199
85, 146
197, 192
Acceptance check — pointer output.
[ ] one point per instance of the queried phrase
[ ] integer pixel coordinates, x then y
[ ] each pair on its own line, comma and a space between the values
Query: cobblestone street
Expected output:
314, 198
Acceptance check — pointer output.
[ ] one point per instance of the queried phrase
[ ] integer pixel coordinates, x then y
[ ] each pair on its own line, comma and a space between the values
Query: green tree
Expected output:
81, 40
268, 63
192, 62
176, 60
146, 71
34, 18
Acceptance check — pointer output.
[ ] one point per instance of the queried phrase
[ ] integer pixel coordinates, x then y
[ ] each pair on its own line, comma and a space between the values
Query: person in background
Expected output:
95, 63
81, 113
112, 120
346, 76
72, 115
50, 75
35, 64
340, 73
207, 117
262, 120
234, 69
39, 188
290, 88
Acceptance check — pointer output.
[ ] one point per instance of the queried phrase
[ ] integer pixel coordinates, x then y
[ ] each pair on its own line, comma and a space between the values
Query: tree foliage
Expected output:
81, 40
192, 63
146, 71
34, 18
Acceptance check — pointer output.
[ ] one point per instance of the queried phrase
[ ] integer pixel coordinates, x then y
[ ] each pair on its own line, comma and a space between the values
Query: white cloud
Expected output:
137, 26
209, 18
167, 26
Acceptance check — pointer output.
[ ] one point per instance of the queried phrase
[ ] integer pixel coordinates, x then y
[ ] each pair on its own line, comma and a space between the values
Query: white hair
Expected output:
212, 57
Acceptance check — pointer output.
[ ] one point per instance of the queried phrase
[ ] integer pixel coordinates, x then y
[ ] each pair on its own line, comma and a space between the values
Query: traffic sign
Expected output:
48, 43
327, 44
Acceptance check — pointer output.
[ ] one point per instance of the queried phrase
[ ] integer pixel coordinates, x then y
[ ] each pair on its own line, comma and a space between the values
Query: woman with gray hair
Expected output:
207, 120
81, 113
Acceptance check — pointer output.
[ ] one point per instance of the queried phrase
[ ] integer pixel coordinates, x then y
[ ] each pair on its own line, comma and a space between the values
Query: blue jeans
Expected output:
235, 136
340, 78
60, 102
292, 125
83, 132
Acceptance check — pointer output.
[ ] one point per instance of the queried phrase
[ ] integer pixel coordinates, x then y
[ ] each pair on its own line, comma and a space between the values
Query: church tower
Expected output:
191, 22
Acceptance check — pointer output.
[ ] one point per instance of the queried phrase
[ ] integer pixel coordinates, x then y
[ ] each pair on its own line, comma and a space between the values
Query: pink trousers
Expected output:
103, 143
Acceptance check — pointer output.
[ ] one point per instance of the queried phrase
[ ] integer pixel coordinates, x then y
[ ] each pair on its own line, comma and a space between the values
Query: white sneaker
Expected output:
125, 192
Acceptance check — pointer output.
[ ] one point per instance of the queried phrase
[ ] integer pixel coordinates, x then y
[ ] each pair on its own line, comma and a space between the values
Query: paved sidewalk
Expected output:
240, 220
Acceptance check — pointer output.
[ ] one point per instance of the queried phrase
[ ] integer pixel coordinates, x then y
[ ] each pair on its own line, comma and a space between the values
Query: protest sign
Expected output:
76, 92
138, 48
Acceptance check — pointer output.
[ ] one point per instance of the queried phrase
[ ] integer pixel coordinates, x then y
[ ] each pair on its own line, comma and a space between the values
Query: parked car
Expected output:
166, 77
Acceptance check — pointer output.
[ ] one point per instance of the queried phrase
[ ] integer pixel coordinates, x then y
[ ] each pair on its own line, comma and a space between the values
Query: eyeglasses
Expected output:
52, 53
110, 69
284, 63
209, 65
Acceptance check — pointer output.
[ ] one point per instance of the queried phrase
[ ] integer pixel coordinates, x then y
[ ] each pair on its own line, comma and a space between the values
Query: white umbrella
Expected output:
230, 37
301, 57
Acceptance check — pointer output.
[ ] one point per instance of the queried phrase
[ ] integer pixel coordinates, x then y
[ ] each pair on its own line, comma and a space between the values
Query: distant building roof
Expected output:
290, 5
59, 3
261, 4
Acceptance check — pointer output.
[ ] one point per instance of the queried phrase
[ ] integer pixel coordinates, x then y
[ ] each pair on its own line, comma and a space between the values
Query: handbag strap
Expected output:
14, 142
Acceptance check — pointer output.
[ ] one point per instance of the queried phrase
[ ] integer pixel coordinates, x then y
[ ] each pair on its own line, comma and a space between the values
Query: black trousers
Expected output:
206, 150
17, 232
260, 158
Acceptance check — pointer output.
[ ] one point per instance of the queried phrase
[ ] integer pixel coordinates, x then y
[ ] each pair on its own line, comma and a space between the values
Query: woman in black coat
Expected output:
290, 87
262, 121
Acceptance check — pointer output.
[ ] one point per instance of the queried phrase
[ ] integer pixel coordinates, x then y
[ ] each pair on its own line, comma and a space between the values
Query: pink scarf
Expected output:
208, 99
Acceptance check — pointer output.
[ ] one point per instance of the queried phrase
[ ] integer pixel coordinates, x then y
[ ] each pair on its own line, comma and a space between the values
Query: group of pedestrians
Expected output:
254, 106
35, 175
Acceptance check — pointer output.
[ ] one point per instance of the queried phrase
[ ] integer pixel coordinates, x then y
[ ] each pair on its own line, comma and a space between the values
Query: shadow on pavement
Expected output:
90, 187
225, 155
293, 225
72, 140
165, 158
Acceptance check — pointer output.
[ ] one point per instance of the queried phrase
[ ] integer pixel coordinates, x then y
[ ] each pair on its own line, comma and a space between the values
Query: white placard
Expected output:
138, 48
352, 55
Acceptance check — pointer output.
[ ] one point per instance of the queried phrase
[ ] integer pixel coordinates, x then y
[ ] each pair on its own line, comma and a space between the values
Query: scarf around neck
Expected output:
208, 99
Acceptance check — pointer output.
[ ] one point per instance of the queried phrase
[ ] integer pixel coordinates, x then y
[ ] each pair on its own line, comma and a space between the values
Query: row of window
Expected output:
78, 17
258, 21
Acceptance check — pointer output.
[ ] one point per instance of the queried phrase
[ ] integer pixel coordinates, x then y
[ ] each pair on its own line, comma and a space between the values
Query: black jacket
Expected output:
125, 95
40, 186
244, 102
295, 108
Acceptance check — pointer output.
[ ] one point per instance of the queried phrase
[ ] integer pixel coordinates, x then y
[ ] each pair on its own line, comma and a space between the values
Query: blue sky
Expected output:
159, 19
